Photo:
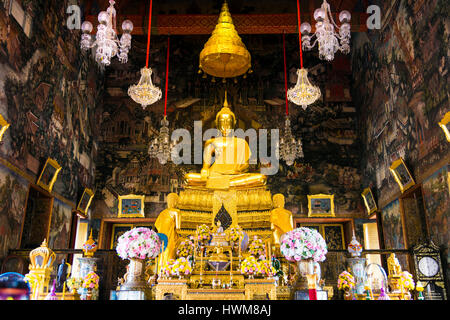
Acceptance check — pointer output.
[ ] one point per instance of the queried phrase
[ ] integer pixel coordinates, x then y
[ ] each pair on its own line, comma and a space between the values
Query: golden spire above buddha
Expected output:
224, 54
231, 156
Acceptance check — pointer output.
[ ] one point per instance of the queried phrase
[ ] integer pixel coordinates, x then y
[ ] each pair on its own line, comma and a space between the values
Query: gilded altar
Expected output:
224, 196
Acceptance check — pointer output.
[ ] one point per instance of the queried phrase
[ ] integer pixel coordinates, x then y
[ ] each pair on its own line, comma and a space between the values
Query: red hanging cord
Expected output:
285, 74
149, 32
167, 75
299, 33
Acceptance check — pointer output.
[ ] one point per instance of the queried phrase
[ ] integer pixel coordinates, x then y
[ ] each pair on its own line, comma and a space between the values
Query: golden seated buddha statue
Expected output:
232, 154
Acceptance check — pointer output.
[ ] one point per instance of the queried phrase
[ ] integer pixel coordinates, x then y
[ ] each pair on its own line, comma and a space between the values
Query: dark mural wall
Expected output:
328, 129
49, 90
401, 84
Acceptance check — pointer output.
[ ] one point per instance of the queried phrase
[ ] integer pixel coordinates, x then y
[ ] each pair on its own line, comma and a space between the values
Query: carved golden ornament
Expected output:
89, 247
224, 54
42, 257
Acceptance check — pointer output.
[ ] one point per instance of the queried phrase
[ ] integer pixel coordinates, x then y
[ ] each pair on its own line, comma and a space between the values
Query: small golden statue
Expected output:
280, 218
167, 223
219, 238
231, 162
394, 270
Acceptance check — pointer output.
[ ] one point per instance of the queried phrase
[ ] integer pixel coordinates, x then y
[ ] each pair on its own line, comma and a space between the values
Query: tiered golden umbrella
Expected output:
224, 54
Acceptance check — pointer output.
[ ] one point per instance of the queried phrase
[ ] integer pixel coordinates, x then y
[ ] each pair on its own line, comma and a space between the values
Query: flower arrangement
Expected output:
406, 279
185, 248
203, 233
233, 234
250, 266
167, 268
139, 243
91, 280
346, 281
74, 283
181, 266
257, 248
303, 243
266, 268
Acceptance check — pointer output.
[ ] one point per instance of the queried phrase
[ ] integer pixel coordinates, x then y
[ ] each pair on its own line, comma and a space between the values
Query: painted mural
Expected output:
60, 225
13, 197
436, 193
328, 129
392, 226
402, 84
49, 90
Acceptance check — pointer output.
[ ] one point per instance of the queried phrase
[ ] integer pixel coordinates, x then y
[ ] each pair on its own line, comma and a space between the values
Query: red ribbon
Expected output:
285, 74
299, 33
167, 75
149, 31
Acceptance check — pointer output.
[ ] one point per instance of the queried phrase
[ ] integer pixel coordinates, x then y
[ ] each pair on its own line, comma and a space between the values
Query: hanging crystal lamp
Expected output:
161, 147
304, 93
145, 93
289, 148
106, 40
330, 41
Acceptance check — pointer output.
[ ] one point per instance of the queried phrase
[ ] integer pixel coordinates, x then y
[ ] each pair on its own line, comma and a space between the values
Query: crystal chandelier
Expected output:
161, 147
289, 148
304, 93
106, 40
145, 93
329, 40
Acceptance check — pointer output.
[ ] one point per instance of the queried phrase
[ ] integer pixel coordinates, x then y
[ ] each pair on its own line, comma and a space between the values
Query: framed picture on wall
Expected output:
49, 174
131, 206
85, 201
369, 201
402, 175
4, 125
321, 205
117, 231
444, 124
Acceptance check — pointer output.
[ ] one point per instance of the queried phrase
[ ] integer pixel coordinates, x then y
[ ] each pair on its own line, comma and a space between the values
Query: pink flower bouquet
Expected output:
139, 243
303, 243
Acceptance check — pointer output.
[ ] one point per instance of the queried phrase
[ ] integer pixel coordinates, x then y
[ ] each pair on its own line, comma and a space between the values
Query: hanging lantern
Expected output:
145, 93
224, 54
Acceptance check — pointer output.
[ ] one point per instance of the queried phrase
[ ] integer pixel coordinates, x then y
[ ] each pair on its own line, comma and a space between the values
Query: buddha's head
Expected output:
172, 200
278, 200
225, 119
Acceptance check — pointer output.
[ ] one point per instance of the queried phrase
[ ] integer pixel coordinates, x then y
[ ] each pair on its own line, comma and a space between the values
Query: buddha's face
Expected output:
225, 124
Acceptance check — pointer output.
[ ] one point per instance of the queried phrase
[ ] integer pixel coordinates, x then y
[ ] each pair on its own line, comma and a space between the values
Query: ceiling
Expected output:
184, 17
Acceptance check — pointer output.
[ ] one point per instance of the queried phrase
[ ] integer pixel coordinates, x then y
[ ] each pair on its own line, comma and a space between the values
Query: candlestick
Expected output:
231, 265
201, 263
64, 291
